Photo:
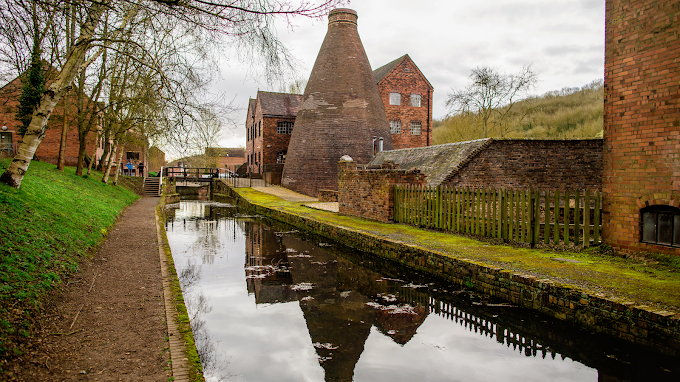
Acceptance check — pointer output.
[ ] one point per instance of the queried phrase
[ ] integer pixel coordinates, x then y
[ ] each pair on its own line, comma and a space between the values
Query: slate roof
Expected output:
382, 71
279, 104
435, 162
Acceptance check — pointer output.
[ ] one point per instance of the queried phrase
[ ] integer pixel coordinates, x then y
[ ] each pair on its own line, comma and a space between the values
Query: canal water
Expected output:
268, 303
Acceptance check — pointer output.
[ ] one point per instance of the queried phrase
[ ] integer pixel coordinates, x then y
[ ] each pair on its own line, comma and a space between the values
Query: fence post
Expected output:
537, 217
586, 219
556, 214
597, 218
577, 218
530, 212
567, 216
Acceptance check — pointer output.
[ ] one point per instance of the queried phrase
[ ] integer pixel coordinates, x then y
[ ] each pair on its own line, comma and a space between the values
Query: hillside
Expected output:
47, 227
567, 113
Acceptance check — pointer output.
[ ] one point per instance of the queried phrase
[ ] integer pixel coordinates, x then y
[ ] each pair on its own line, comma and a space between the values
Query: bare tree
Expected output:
249, 23
490, 99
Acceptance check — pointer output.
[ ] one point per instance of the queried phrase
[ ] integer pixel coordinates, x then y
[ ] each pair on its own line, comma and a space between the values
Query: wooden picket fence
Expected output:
551, 217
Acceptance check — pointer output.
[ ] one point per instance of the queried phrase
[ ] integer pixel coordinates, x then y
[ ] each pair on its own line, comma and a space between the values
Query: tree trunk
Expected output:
109, 163
105, 155
94, 153
61, 162
120, 159
82, 140
36, 129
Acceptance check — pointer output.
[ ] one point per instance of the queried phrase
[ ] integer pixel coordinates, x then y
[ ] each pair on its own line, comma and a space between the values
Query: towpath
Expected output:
109, 322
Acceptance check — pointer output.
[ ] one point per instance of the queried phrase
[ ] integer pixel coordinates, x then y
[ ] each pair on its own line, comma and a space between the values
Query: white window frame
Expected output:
395, 99
395, 127
416, 128
416, 100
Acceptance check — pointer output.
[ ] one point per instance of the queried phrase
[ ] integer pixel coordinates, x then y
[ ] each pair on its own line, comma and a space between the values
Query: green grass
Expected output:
47, 227
649, 279
569, 113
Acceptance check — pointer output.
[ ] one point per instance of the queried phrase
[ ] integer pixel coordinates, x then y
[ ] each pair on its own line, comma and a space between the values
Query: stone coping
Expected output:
637, 324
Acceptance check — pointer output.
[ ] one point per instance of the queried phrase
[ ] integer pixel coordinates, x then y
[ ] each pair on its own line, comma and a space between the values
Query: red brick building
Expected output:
48, 151
641, 183
407, 97
269, 125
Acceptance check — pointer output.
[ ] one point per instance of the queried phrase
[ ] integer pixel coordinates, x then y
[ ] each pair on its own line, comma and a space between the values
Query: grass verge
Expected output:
182, 316
47, 227
648, 279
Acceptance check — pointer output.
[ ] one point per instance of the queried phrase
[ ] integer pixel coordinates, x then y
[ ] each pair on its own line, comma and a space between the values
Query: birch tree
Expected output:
249, 24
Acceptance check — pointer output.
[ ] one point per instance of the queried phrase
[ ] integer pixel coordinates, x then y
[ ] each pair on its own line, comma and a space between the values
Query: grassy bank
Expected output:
47, 228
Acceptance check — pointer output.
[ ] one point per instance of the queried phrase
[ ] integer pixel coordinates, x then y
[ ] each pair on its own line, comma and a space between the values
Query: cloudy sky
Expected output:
563, 41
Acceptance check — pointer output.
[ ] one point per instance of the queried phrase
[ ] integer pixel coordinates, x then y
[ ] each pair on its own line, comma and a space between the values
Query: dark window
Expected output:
281, 157
395, 127
284, 127
661, 225
131, 155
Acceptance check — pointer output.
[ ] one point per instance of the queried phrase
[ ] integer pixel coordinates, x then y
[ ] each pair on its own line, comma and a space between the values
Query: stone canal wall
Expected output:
636, 324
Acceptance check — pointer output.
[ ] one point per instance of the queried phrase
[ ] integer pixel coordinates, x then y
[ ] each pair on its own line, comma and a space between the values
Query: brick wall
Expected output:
553, 164
274, 142
406, 79
641, 117
48, 151
370, 193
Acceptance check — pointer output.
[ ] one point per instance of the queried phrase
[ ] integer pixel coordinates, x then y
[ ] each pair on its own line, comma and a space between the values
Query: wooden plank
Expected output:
577, 218
556, 214
567, 220
513, 215
529, 199
459, 198
494, 206
586, 219
504, 216
482, 214
477, 208
597, 217
547, 214
537, 217
522, 216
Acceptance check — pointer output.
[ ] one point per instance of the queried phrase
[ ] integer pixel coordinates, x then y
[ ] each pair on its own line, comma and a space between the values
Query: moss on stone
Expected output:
628, 279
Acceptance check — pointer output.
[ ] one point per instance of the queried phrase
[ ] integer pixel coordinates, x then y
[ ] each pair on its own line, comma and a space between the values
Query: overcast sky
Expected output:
563, 40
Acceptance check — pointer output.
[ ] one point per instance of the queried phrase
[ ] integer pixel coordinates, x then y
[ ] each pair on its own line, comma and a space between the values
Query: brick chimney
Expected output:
341, 112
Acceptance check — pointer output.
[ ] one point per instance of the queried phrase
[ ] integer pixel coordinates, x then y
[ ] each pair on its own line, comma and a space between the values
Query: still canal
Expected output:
268, 303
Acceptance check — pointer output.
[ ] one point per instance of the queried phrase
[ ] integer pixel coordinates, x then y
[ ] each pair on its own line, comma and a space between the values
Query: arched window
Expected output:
661, 225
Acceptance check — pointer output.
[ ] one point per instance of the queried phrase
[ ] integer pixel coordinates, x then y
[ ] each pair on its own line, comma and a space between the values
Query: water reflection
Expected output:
268, 303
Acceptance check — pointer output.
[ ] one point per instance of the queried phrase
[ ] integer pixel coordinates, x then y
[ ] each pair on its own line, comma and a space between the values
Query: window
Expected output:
281, 157
415, 100
395, 127
131, 156
415, 128
661, 225
284, 127
395, 99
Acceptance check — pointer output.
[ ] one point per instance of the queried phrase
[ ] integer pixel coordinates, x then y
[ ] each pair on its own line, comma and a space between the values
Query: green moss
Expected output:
651, 279
182, 317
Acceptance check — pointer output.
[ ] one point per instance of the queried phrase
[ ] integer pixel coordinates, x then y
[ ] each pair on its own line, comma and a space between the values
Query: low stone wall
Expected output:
370, 193
636, 324
328, 196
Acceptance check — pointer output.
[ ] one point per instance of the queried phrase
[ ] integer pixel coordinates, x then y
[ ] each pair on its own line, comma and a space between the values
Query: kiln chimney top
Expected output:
342, 15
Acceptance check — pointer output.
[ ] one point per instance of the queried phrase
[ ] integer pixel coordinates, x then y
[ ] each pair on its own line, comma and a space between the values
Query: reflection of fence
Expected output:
488, 327
531, 216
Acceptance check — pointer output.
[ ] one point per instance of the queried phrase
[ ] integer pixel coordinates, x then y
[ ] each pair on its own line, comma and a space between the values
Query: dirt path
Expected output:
109, 325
